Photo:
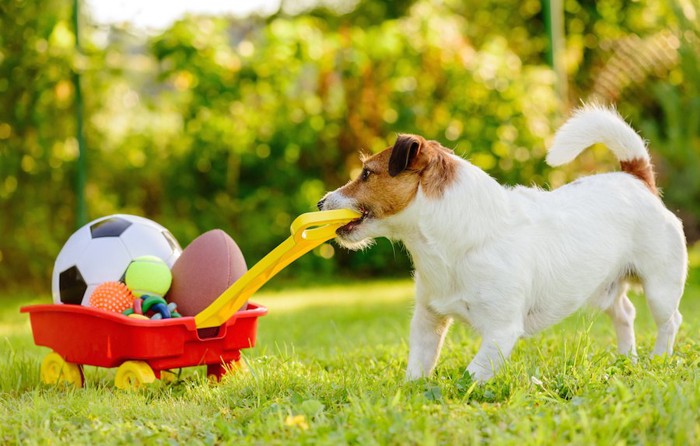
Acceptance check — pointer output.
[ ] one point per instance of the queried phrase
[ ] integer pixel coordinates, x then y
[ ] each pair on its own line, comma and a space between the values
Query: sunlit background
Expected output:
239, 115
157, 15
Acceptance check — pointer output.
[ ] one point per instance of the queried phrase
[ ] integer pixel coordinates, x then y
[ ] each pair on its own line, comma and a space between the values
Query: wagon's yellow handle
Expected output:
307, 232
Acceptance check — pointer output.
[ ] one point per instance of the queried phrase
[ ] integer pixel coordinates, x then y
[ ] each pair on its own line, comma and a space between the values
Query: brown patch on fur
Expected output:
642, 169
383, 194
380, 193
440, 171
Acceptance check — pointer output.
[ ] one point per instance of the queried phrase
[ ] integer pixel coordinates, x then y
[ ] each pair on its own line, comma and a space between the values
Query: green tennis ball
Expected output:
148, 275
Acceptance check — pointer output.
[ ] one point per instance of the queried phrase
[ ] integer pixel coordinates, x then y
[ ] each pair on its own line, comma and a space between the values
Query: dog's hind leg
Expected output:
622, 313
663, 278
495, 349
428, 331
663, 298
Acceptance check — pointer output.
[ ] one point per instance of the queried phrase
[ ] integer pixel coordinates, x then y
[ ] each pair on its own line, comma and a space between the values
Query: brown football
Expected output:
209, 265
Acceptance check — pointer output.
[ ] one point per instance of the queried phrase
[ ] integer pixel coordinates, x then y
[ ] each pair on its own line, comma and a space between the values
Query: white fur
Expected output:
511, 262
594, 124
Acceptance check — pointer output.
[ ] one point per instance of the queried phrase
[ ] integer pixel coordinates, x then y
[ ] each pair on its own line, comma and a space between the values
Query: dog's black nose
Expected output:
319, 205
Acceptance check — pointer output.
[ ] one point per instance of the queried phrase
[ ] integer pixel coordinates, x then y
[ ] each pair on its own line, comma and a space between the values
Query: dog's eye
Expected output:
365, 174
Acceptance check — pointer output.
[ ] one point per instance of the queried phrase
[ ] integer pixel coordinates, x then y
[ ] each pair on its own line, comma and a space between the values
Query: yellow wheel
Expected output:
55, 370
133, 374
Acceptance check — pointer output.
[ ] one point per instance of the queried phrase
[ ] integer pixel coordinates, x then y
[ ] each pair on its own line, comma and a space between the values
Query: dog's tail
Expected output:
594, 124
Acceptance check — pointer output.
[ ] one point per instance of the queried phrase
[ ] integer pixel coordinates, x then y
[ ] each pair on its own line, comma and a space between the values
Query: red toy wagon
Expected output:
143, 350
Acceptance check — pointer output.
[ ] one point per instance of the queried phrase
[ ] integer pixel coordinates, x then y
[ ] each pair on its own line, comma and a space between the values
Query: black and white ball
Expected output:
102, 250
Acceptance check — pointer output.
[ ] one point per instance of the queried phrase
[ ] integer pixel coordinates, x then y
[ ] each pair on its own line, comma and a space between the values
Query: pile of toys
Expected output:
134, 266
142, 295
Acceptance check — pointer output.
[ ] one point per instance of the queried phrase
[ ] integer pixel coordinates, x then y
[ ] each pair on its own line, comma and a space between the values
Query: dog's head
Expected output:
388, 184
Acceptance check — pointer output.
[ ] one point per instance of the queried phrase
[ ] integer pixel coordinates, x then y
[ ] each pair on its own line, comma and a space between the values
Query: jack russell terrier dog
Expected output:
513, 261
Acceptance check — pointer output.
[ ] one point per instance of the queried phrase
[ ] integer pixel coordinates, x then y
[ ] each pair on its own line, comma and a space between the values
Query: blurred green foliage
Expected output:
37, 147
244, 124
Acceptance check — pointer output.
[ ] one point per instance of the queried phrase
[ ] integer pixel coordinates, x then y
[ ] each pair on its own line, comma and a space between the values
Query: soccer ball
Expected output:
102, 250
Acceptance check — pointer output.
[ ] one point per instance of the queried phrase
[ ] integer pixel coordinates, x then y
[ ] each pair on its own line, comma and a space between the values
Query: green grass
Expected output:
328, 369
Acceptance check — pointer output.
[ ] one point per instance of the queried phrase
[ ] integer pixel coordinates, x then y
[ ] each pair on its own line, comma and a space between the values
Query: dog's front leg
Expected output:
427, 334
495, 349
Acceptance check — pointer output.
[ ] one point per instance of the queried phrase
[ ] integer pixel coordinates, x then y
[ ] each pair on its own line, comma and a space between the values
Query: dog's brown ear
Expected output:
405, 150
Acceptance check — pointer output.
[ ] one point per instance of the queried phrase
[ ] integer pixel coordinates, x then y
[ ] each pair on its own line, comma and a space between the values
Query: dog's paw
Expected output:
415, 373
479, 373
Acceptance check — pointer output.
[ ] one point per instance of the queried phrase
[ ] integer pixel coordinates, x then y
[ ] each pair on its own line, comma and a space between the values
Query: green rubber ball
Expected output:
148, 275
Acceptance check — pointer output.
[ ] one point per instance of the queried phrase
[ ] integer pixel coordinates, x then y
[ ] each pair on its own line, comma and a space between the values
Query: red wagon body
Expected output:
89, 336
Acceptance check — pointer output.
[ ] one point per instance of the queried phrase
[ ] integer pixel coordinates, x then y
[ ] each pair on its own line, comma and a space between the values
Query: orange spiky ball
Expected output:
112, 296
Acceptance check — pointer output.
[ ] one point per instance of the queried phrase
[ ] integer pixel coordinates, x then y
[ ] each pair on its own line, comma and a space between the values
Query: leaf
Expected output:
433, 393
312, 408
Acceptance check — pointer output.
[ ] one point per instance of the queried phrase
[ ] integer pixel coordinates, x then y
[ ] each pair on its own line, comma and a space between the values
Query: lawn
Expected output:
328, 369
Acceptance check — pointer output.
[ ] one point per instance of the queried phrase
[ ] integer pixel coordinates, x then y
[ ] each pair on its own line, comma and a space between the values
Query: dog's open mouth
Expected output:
348, 228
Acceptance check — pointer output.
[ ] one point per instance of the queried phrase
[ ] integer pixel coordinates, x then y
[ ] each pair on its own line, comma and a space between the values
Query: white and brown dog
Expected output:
513, 261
